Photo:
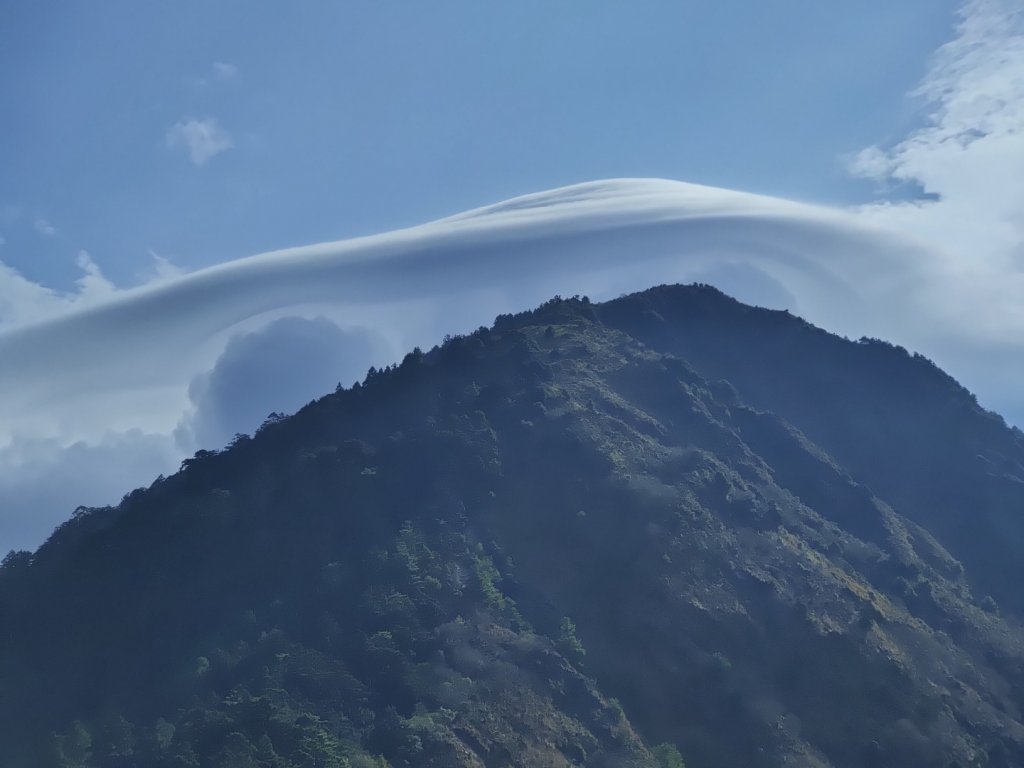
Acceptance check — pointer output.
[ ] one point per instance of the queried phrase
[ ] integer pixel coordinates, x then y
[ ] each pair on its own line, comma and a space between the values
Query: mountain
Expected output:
666, 528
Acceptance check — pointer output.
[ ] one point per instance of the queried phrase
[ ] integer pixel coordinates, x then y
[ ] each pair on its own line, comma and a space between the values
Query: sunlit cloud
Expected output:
92, 284
130, 359
602, 238
158, 360
968, 159
24, 302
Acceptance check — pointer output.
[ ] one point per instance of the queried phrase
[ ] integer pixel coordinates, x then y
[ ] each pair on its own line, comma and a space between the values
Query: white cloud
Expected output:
23, 302
601, 238
968, 159
277, 368
202, 139
92, 285
137, 359
42, 480
145, 360
162, 269
43, 227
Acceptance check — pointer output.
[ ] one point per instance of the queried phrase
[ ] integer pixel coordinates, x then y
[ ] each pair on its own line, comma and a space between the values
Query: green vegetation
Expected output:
667, 520
668, 756
569, 644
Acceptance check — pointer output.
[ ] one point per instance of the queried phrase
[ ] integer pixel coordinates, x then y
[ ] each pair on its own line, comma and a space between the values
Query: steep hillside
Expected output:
893, 420
603, 535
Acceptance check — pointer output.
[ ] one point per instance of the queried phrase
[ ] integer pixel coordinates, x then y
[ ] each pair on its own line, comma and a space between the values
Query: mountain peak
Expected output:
666, 527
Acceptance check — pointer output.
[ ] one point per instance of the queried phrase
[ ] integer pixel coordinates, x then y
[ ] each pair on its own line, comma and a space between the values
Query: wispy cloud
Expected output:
224, 71
203, 139
92, 285
161, 269
24, 302
43, 227
969, 159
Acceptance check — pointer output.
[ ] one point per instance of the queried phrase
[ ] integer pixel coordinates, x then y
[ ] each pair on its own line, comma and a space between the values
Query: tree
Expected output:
74, 749
569, 644
236, 753
668, 756
16, 559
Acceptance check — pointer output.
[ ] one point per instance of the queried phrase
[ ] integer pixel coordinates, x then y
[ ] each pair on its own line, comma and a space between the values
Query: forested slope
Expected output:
603, 535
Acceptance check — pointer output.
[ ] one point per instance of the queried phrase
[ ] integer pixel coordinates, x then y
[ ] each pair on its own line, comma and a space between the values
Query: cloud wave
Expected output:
108, 376
603, 237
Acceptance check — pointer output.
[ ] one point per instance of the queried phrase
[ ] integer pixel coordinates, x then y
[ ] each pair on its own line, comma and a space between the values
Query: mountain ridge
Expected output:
473, 557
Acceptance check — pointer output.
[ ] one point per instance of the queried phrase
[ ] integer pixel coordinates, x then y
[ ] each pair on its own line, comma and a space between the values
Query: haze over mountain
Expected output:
670, 527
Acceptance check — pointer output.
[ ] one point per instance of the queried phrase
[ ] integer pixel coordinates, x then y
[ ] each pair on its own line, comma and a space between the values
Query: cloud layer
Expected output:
278, 368
603, 238
105, 371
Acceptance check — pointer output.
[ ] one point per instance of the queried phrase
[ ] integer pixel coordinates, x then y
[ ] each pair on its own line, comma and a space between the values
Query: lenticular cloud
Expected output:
603, 237
115, 371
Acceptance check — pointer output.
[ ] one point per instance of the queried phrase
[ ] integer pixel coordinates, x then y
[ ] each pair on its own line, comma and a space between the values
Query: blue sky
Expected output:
356, 117
858, 164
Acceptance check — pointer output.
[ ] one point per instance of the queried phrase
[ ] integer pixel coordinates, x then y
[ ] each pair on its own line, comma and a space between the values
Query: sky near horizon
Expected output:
149, 148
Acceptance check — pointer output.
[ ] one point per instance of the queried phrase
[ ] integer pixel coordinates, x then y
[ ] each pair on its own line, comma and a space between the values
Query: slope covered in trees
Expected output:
670, 527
